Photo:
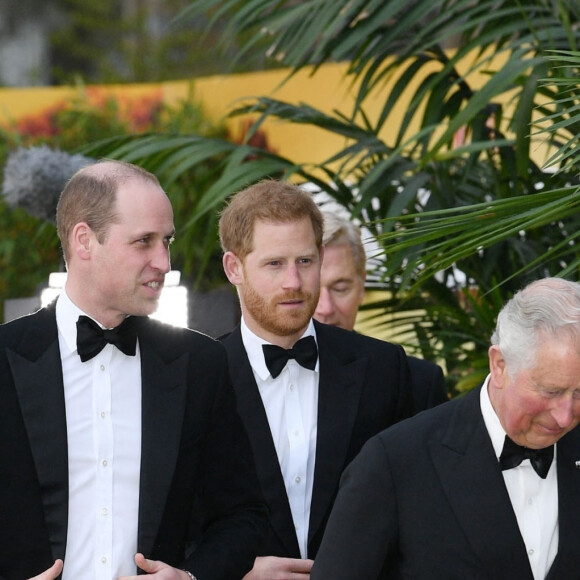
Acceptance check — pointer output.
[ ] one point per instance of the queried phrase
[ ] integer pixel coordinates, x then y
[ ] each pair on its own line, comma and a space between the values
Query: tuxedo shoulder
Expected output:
35, 327
423, 427
17, 325
422, 364
353, 339
175, 336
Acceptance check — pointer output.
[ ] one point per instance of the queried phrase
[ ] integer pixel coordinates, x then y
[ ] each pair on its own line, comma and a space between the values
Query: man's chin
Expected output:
146, 309
287, 326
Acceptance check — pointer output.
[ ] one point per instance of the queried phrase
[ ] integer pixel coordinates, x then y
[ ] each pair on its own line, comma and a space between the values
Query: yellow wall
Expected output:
219, 94
326, 89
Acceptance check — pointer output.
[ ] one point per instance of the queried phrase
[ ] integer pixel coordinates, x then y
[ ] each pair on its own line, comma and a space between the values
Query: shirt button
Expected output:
105, 463
291, 387
531, 551
297, 479
103, 559
103, 414
104, 511
102, 367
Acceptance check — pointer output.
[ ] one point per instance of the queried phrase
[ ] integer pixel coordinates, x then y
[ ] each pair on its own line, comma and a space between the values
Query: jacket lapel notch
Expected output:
40, 391
473, 483
567, 561
164, 388
253, 414
338, 400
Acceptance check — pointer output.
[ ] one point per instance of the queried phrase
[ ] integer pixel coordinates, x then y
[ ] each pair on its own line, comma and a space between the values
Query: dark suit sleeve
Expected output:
232, 516
361, 534
438, 392
428, 383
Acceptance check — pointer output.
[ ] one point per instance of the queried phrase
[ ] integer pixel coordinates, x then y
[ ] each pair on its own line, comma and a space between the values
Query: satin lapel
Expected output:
253, 414
164, 389
339, 390
37, 372
472, 481
567, 562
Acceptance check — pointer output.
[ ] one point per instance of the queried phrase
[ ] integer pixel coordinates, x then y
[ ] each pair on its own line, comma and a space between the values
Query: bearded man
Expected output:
310, 394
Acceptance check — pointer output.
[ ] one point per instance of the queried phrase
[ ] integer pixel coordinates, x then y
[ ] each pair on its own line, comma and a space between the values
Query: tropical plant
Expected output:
454, 174
113, 41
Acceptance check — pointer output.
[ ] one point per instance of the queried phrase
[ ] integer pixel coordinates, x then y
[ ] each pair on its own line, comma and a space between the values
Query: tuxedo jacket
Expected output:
426, 500
192, 442
363, 388
428, 384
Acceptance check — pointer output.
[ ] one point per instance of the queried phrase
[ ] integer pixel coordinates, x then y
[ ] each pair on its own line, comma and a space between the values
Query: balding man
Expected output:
111, 423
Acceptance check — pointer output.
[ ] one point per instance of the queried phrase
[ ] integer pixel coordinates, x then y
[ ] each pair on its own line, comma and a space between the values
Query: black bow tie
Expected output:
304, 351
513, 454
91, 338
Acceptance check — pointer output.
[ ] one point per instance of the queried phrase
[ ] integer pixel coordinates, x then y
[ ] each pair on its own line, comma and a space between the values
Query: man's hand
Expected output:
51, 573
274, 568
156, 569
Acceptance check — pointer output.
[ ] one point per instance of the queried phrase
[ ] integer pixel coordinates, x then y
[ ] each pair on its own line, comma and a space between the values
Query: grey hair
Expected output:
546, 308
338, 231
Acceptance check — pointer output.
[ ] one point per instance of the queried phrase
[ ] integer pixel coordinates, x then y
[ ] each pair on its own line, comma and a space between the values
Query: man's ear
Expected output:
497, 366
82, 238
233, 268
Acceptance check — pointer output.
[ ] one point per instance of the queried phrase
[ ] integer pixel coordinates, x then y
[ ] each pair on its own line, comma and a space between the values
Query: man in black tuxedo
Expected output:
342, 291
107, 435
307, 417
486, 486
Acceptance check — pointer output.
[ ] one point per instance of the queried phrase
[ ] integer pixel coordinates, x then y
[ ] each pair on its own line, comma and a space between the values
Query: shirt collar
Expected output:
253, 345
491, 420
67, 314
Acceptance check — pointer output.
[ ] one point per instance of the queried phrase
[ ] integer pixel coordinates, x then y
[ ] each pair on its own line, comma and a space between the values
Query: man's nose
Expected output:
325, 306
563, 411
292, 278
161, 259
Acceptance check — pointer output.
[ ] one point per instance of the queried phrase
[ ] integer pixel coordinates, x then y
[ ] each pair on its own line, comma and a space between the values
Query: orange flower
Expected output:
40, 125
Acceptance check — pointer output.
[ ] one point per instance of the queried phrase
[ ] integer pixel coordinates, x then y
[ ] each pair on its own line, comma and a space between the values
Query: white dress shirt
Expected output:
535, 500
291, 404
103, 416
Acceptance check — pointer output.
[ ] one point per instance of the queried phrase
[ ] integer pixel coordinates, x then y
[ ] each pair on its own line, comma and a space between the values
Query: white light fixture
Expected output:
172, 302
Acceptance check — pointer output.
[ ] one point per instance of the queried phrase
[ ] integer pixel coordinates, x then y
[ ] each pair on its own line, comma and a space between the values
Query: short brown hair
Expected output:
90, 196
268, 200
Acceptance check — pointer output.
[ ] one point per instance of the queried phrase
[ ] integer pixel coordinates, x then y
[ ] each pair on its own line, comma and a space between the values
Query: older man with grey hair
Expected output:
486, 486
342, 291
